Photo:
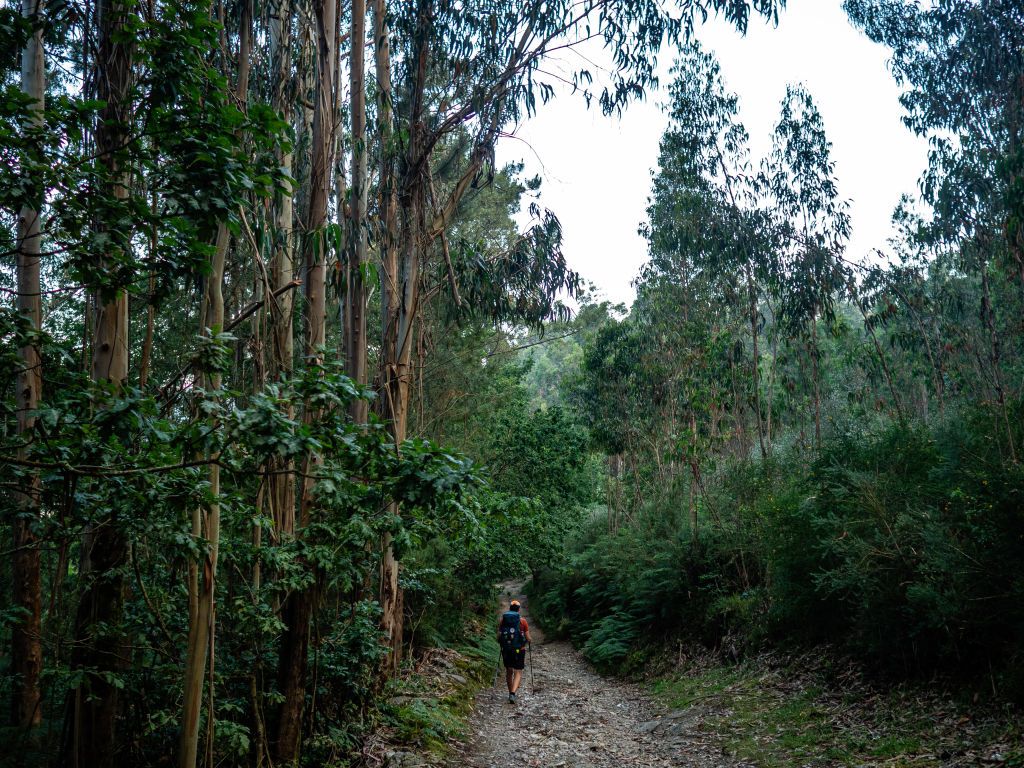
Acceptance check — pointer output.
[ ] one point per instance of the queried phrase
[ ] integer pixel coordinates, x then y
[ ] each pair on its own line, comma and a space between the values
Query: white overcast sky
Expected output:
596, 171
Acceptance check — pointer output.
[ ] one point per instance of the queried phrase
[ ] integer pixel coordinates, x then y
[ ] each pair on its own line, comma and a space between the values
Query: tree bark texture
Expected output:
282, 267
355, 285
100, 651
399, 304
26, 646
202, 587
299, 605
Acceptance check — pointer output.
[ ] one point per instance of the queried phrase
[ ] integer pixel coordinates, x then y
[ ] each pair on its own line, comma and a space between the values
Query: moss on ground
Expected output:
804, 714
428, 709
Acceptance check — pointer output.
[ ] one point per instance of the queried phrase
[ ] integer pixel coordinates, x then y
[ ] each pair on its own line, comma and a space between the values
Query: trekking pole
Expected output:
497, 671
533, 685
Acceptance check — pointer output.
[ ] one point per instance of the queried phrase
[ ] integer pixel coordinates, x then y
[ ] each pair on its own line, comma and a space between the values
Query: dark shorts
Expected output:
514, 659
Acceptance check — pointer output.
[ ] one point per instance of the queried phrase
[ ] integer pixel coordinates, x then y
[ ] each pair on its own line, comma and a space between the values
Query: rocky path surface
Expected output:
575, 718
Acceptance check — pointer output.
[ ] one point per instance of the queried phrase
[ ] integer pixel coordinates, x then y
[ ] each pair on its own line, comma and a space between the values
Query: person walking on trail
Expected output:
513, 637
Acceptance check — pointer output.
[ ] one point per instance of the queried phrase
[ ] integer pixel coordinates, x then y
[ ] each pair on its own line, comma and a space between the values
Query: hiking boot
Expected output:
511, 698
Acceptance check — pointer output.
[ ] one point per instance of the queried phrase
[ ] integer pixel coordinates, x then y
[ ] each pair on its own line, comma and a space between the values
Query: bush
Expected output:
904, 547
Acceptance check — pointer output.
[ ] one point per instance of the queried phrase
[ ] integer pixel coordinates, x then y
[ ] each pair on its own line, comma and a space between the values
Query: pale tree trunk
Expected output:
752, 299
282, 269
897, 401
396, 379
812, 348
399, 304
387, 186
202, 597
390, 305
26, 646
147, 340
100, 649
694, 470
771, 375
394, 311
355, 304
755, 338
299, 605
201, 586
280, 482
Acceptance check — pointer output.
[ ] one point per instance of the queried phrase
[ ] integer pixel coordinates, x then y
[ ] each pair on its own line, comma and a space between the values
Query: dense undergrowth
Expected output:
903, 546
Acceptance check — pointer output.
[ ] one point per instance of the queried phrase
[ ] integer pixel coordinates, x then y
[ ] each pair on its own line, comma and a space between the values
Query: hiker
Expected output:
513, 637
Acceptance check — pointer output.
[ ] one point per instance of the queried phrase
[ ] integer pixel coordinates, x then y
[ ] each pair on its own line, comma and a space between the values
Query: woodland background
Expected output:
288, 387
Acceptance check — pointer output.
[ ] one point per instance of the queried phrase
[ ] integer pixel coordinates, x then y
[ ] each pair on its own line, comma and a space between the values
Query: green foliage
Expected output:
903, 546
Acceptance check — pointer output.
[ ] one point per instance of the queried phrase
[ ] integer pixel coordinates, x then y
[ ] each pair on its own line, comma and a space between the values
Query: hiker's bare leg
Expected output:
509, 676
517, 677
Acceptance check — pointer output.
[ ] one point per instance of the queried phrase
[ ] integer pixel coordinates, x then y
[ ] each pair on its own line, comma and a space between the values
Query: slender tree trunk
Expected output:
26, 645
202, 589
812, 348
694, 469
755, 337
299, 605
396, 377
771, 377
147, 341
100, 652
201, 586
399, 287
881, 357
282, 268
995, 357
387, 187
356, 288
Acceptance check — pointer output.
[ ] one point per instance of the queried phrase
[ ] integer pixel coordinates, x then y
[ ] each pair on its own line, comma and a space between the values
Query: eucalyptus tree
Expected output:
100, 653
26, 635
206, 523
801, 181
491, 59
962, 67
142, 171
282, 270
300, 604
704, 207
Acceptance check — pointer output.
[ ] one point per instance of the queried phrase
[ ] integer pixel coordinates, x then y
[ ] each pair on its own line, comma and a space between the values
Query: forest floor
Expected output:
697, 712
766, 712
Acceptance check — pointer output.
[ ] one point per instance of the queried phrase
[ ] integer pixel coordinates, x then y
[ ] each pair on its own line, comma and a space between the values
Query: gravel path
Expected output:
578, 719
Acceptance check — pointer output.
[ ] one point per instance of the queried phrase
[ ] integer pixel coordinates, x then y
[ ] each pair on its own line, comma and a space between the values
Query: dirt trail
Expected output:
578, 719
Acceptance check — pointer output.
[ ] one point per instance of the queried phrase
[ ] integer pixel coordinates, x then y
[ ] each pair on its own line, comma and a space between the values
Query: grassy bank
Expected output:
426, 711
813, 711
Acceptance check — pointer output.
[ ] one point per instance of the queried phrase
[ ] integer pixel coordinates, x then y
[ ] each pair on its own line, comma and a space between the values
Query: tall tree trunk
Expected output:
26, 646
812, 348
869, 326
755, 337
995, 356
396, 379
356, 289
282, 268
100, 652
201, 588
390, 307
299, 605
387, 188
399, 304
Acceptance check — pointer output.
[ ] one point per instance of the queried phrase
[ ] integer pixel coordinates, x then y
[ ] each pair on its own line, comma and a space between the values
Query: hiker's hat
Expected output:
514, 604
